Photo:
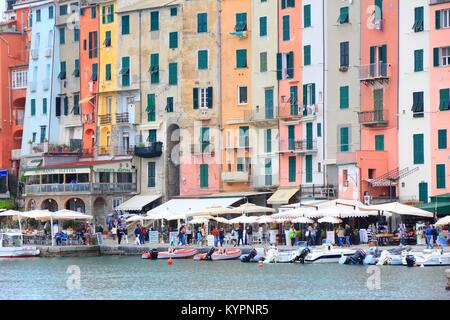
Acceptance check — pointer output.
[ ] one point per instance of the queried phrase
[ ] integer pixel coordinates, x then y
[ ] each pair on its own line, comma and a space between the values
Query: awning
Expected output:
136, 203
34, 163
57, 171
282, 196
182, 206
442, 208
398, 208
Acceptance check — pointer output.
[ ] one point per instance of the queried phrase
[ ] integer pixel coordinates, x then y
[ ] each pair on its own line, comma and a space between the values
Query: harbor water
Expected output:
118, 277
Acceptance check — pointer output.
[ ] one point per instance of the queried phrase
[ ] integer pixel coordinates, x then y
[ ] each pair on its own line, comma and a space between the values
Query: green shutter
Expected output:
379, 142
154, 68
290, 64
33, 107
423, 192
244, 136
173, 40
292, 169
151, 174
438, 19
294, 100
379, 9
279, 66
209, 97
309, 169
154, 21
286, 28
344, 139
442, 139
173, 74
125, 71
241, 22
436, 57
204, 176
125, 24
307, 55
319, 129
263, 62
343, 16
444, 95
62, 36
313, 93
108, 72
202, 59
383, 54
241, 58
111, 13
440, 176
307, 16
195, 97
268, 140
151, 108
104, 14
344, 97
418, 60
309, 136
291, 137
152, 135
44, 106
418, 149
263, 26
202, 22
418, 19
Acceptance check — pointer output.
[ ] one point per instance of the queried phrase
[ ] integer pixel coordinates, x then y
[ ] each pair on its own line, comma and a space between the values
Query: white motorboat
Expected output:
274, 255
327, 253
11, 246
427, 258
394, 256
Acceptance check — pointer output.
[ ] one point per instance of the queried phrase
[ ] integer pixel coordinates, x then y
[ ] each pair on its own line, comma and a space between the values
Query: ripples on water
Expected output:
134, 278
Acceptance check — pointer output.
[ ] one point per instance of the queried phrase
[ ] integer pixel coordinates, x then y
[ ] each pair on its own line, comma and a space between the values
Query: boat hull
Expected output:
19, 252
328, 256
230, 254
178, 254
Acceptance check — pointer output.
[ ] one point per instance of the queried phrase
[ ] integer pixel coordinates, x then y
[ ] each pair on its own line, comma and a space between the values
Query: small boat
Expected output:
327, 254
217, 254
256, 255
151, 255
386, 257
427, 258
357, 258
16, 250
177, 253
290, 256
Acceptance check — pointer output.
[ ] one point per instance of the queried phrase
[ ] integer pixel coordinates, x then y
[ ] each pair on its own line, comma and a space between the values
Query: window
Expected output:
173, 74
308, 169
125, 25
151, 175
202, 22
285, 65
66, 106
344, 139
287, 4
307, 55
125, 71
107, 41
268, 172
63, 10
263, 26
173, 12
154, 21
418, 147
242, 95
173, 40
204, 139
169, 105
344, 54
93, 12
154, 68
76, 71
307, 16
19, 79
418, 19
62, 36
241, 22
292, 169
151, 108
204, 175
286, 28
152, 136
423, 192
442, 139
62, 73
33, 139
442, 19
202, 59
108, 72
379, 142
444, 96
268, 144
76, 104
319, 129
263, 62
241, 58
440, 176
58, 107
76, 34
441, 56
293, 98
33, 107
378, 9
343, 15
291, 137
50, 12
94, 72
418, 60
43, 133
93, 39
44, 106
309, 97
38, 15
344, 97
203, 98
108, 17
418, 105
244, 137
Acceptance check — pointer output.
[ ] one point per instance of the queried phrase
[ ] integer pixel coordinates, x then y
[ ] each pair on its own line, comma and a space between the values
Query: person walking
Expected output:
199, 236
189, 234
248, 233
240, 234
434, 233
119, 235
216, 233
292, 235
340, 232
221, 236
348, 233
429, 237
137, 234
114, 232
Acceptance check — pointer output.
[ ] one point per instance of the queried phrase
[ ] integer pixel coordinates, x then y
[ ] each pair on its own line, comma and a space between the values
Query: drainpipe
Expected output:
51, 84
324, 176
219, 62
138, 176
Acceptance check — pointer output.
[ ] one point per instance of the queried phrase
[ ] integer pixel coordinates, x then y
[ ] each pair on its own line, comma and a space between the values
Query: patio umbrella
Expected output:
303, 220
41, 215
136, 218
343, 212
331, 220
13, 213
213, 210
66, 214
221, 220
399, 208
200, 220
443, 221
244, 219
248, 208
266, 219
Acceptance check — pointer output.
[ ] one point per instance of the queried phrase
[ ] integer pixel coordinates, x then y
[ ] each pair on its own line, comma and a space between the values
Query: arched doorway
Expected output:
76, 204
50, 205
31, 205
99, 211
173, 165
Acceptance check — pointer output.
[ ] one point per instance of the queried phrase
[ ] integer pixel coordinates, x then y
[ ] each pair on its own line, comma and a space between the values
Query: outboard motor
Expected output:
249, 257
154, 254
301, 257
410, 260
210, 253
357, 258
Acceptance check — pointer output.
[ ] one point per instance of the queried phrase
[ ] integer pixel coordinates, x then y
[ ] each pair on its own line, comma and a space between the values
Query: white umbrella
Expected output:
443, 221
213, 210
303, 220
136, 218
344, 212
200, 220
248, 208
332, 220
66, 214
9, 213
221, 220
266, 219
399, 208
244, 219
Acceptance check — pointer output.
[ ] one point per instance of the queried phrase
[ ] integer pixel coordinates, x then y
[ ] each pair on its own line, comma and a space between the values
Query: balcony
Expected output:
75, 148
265, 181
37, 147
235, 176
263, 116
306, 146
123, 151
48, 52
315, 191
122, 118
438, 1
105, 119
15, 154
34, 54
57, 188
375, 118
152, 150
375, 72
203, 114
114, 187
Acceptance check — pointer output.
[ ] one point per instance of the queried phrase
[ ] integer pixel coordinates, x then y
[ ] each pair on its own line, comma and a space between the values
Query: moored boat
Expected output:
151, 255
178, 253
327, 254
219, 254
15, 251
427, 258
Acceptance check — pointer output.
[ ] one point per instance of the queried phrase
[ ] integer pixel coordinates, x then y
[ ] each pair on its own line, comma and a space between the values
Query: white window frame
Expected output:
19, 78
109, 104
309, 94
239, 95
117, 201
445, 57
445, 19
203, 98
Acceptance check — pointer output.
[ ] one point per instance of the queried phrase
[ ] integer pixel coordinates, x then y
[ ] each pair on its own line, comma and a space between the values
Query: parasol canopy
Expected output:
303, 220
213, 210
332, 220
443, 221
248, 208
244, 219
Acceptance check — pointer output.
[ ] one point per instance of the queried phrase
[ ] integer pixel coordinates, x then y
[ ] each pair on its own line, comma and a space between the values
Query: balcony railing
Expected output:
317, 191
37, 147
105, 119
306, 146
262, 114
57, 188
374, 71
48, 52
123, 151
373, 118
151, 150
114, 187
122, 117
235, 176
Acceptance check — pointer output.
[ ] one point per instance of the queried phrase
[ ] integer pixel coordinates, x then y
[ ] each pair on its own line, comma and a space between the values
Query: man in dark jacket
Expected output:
249, 232
240, 234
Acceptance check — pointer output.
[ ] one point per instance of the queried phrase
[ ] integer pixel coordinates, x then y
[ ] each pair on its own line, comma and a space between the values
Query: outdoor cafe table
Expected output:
384, 236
